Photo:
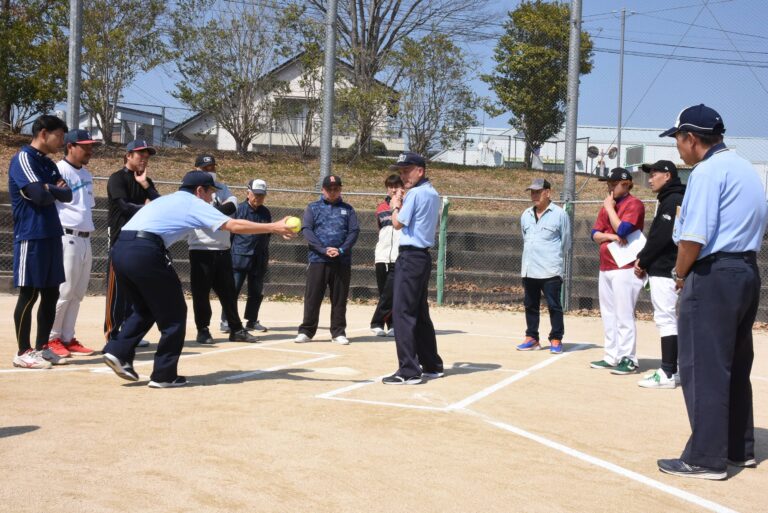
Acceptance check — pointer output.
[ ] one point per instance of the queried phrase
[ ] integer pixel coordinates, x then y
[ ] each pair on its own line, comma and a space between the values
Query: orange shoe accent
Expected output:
79, 349
58, 348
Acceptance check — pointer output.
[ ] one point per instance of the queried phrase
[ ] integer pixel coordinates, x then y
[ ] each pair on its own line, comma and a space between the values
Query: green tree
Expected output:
225, 58
436, 105
120, 39
32, 50
370, 32
530, 78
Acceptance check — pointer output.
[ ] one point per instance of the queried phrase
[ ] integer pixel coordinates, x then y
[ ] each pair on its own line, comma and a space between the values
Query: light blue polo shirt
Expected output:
419, 215
724, 207
173, 216
544, 241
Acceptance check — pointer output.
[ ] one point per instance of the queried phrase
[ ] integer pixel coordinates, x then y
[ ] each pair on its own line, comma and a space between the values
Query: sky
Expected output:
655, 88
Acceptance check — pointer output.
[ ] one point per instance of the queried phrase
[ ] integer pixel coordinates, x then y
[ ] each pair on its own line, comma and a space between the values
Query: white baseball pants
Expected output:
618, 292
77, 271
664, 299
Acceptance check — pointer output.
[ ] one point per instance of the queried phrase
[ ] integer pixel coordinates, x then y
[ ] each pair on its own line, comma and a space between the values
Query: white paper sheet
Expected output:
628, 253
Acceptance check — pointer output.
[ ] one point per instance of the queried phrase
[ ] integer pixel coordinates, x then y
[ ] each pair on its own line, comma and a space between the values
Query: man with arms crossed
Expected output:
719, 232
416, 216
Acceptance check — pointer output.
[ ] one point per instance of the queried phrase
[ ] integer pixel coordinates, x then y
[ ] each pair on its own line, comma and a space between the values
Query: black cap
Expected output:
78, 136
331, 180
138, 145
196, 178
407, 159
539, 184
661, 165
205, 160
698, 119
616, 175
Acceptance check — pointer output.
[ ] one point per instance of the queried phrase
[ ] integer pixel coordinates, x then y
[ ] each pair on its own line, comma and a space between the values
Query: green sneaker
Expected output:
601, 364
625, 366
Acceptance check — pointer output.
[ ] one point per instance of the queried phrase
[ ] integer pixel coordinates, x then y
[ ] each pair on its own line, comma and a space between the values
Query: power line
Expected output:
687, 58
594, 36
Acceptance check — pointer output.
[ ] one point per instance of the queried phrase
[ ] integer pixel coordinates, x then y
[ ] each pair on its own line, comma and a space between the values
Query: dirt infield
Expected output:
284, 427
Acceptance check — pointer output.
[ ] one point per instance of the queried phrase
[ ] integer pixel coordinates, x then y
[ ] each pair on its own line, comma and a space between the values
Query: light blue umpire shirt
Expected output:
544, 242
419, 215
173, 216
724, 208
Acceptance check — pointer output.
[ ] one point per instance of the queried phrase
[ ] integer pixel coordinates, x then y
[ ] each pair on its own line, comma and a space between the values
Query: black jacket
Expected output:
659, 254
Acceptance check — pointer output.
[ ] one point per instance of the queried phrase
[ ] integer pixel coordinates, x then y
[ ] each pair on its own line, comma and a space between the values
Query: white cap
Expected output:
257, 186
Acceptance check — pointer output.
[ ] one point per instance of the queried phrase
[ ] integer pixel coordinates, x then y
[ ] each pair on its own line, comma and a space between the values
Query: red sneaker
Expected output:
58, 348
79, 349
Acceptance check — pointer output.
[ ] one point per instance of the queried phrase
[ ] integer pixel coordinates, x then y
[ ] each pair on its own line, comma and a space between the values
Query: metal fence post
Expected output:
441, 249
565, 292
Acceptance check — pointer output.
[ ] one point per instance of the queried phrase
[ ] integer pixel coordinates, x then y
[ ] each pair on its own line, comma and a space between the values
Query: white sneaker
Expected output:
52, 357
301, 338
341, 339
379, 332
657, 379
391, 332
31, 359
143, 343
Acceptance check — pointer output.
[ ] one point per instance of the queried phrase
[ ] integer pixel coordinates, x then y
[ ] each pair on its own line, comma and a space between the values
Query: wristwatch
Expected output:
675, 276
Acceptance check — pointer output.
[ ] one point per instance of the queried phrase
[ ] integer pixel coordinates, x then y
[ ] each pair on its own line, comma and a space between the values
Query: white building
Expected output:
130, 124
202, 131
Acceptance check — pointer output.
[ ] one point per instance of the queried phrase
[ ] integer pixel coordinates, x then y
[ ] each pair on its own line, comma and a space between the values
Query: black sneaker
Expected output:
750, 463
224, 327
180, 381
255, 326
242, 335
121, 368
204, 337
432, 374
396, 379
678, 467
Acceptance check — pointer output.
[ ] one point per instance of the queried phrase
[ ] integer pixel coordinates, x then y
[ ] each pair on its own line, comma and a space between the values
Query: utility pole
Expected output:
329, 71
571, 119
75, 51
621, 84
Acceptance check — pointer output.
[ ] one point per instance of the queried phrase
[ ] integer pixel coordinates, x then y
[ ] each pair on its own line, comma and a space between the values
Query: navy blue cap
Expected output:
77, 136
138, 145
197, 178
698, 119
617, 174
330, 180
407, 159
205, 160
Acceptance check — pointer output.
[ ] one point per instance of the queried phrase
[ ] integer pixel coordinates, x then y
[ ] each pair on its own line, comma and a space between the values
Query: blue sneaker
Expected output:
530, 344
555, 346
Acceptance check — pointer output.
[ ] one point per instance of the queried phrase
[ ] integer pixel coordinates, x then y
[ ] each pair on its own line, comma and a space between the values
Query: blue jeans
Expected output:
551, 288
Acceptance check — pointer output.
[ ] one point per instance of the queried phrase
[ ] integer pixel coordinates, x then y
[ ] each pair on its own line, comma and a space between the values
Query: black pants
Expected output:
414, 331
385, 280
46, 313
212, 269
255, 276
118, 306
718, 306
145, 273
532, 301
335, 276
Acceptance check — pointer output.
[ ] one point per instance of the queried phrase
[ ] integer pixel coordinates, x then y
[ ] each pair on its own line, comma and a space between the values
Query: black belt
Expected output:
747, 256
413, 248
146, 236
77, 233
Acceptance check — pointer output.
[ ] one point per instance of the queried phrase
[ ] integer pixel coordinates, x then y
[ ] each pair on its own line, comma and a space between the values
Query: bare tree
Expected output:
225, 55
120, 38
370, 31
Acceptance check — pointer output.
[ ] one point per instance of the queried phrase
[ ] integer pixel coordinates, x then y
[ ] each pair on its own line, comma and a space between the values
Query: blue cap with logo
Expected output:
138, 145
407, 159
698, 119
78, 136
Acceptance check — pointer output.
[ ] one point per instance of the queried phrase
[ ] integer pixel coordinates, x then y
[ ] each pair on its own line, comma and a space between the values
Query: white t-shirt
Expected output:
205, 239
78, 213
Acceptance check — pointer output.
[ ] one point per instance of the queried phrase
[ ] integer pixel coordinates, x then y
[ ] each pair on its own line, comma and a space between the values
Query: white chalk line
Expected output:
616, 469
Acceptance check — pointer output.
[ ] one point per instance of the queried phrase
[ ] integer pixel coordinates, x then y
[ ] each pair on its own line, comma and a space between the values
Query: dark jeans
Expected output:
385, 280
718, 306
414, 331
551, 289
213, 270
334, 276
255, 277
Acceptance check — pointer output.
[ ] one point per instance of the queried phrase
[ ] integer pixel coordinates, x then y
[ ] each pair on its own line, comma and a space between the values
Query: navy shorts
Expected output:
38, 263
